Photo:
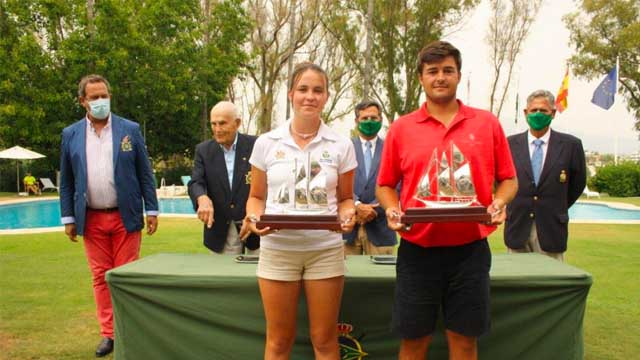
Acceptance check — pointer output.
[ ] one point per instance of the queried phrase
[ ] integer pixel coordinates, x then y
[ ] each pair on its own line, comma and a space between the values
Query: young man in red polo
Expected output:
444, 265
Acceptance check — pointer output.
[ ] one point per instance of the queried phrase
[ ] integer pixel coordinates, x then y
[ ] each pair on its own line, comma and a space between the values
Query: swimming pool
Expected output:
46, 213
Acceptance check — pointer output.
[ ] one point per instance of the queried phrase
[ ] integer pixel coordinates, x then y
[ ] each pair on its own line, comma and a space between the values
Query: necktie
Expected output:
536, 160
367, 158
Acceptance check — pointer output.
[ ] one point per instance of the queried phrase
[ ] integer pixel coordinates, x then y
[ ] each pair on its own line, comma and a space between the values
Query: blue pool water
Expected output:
46, 213
38, 214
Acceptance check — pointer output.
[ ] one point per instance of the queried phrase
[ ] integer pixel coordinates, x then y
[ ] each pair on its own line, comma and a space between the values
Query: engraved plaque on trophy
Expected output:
301, 199
447, 191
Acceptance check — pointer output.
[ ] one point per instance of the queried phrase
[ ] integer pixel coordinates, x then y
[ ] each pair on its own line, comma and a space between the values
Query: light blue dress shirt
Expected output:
229, 159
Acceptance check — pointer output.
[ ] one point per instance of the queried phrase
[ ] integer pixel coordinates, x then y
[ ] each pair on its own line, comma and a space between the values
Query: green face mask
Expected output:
538, 120
369, 127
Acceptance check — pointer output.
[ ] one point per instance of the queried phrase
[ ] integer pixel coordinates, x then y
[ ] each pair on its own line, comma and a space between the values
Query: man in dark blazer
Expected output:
370, 235
220, 180
105, 176
551, 176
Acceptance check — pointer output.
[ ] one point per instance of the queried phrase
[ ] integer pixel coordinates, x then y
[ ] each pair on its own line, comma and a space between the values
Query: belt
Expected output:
107, 210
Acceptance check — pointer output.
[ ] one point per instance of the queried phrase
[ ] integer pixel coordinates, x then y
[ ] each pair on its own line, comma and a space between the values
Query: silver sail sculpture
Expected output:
309, 188
447, 181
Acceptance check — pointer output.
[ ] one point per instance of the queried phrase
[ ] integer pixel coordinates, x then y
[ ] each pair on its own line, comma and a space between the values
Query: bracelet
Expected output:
252, 218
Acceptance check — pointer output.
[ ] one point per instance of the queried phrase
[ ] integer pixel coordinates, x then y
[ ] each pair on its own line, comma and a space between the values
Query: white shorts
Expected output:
286, 265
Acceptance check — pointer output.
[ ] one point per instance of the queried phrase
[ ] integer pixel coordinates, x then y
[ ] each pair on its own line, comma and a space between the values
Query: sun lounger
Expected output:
590, 193
47, 184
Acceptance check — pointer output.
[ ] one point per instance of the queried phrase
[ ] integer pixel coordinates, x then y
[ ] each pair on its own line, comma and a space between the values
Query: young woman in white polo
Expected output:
293, 260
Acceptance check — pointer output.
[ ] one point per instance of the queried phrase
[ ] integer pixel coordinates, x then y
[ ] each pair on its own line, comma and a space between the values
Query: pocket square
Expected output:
125, 144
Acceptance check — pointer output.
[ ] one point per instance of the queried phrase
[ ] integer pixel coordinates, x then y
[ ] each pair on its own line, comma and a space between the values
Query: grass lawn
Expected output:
47, 309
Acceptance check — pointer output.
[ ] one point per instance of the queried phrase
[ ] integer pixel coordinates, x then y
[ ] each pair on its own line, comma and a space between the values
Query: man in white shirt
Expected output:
105, 179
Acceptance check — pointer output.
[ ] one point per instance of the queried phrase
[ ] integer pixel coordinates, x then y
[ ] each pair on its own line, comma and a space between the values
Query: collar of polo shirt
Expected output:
282, 132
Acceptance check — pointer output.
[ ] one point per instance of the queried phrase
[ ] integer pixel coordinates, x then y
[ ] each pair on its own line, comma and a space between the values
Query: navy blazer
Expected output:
562, 180
132, 173
209, 177
364, 190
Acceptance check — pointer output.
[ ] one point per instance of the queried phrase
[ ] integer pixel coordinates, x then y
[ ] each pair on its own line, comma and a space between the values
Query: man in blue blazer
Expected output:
105, 178
370, 235
551, 176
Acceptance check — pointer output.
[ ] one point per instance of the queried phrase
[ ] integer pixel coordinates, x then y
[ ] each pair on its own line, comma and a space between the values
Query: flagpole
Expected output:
517, 101
566, 74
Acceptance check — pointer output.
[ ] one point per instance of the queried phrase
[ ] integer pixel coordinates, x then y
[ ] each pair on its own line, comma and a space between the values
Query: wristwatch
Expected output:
356, 203
252, 218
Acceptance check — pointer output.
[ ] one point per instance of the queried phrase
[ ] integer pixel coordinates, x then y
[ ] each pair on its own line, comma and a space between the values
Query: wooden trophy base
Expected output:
436, 215
298, 222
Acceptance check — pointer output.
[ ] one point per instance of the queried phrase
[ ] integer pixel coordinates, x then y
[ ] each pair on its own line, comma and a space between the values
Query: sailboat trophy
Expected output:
301, 200
447, 191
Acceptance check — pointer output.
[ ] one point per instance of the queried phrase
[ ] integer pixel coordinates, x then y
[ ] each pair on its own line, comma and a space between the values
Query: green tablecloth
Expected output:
186, 306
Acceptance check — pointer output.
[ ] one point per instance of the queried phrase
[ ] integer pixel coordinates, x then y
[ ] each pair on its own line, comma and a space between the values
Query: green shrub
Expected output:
39, 168
173, 168
618, 180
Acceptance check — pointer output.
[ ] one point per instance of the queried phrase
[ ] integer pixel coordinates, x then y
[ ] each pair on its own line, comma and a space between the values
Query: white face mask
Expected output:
100, 108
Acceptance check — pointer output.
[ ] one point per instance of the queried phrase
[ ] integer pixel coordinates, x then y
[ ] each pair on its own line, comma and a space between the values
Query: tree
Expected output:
33, 99
618, 180
160, 69
332, 34
223, 55
152, 52
400, 30
508, 28
332, 47
602, 30
272, 46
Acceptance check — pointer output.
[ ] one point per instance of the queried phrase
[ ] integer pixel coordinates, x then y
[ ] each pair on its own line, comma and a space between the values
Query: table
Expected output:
200, 306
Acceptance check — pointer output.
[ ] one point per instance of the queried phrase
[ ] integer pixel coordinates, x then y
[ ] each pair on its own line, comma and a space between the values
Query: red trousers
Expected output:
107, 245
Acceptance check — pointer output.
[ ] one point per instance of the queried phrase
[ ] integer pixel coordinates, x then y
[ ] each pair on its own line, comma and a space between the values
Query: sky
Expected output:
541, 65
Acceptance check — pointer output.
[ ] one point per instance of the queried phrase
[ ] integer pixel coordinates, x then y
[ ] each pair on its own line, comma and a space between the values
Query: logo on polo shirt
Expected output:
325, 158
279, 155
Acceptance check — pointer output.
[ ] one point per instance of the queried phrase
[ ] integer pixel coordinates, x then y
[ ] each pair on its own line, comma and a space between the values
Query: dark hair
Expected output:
91, 79
365, 104
435, 52
303, 67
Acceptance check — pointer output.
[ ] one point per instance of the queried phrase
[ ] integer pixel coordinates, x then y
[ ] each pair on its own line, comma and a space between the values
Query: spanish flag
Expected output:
563, 93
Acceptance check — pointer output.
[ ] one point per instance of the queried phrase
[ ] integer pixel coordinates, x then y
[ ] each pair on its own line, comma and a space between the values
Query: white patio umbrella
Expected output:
19, 153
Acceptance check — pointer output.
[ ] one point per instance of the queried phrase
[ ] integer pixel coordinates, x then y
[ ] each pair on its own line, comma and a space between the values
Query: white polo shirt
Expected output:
274, 153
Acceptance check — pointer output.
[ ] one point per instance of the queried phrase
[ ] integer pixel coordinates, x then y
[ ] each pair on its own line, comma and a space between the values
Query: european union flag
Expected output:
605, 93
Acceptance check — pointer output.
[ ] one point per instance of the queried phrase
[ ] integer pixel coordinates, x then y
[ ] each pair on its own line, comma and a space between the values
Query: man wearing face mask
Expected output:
105, 178
370, 235
551, 176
